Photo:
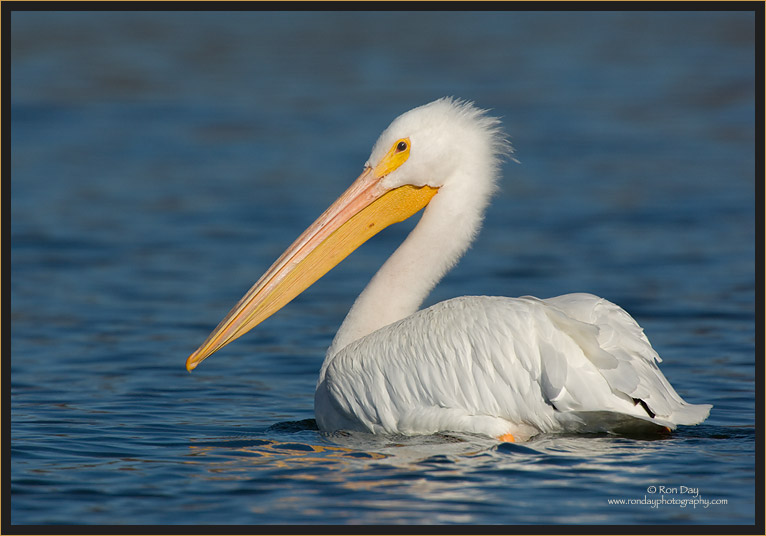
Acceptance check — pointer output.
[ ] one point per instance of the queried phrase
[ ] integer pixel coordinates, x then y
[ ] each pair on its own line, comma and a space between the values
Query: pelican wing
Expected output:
498, 365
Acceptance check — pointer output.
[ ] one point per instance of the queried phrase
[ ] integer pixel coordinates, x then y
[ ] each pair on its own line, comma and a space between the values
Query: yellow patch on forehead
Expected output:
395, 157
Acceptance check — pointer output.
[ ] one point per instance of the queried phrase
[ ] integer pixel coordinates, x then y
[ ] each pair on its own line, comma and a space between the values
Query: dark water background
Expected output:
161, 161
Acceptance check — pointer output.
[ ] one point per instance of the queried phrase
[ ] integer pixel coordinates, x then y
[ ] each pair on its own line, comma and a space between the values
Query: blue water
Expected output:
162, 161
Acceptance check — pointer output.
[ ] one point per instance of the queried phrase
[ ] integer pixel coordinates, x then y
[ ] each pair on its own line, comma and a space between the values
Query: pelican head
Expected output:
442, 139
446, 151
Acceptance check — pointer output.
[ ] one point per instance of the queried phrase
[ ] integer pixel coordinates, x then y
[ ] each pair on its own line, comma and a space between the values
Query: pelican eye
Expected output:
401, 146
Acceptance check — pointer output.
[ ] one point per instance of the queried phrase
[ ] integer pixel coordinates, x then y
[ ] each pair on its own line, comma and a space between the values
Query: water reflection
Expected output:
466, 475
439, 454
236, 455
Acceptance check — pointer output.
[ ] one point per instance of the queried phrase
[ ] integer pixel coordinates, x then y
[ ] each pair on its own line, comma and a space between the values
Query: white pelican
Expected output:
509, 368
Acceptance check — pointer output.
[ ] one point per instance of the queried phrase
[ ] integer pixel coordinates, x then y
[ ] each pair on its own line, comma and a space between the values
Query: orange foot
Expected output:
507, 438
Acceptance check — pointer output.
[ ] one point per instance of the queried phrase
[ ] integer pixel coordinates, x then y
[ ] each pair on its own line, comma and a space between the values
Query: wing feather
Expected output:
489, 365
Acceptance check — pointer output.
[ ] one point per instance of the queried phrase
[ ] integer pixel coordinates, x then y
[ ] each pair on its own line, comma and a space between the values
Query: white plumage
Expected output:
508, 368
495, 365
